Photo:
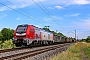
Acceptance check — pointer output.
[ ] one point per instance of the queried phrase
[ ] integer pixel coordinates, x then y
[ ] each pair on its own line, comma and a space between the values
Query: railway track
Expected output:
16, 54
8, 50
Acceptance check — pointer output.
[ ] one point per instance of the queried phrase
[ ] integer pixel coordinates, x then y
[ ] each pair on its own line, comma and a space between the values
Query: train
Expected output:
26, 35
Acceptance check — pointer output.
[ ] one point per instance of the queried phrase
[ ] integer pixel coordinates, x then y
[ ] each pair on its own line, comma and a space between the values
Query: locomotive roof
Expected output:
37, 28
23, 25
41, 29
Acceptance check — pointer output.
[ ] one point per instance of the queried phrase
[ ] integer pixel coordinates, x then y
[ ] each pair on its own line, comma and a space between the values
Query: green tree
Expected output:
46, 28
1, 36
11, 33
83, 40
7, 33
53, 32
60, 34
88, 40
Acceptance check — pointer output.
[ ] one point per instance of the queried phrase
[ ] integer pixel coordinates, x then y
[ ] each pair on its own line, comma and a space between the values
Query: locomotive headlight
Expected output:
24, 34
17, 34
21, 34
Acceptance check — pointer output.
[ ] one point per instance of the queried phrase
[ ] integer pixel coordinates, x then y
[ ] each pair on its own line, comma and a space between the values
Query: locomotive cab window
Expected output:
21, 28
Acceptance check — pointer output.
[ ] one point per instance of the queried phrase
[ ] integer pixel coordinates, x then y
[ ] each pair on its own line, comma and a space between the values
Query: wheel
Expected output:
17, 45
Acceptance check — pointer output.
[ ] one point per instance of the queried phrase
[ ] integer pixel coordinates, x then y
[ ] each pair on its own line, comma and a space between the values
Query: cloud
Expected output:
75, 2
68, 2
58, 7
72, 15
50, 7
84, 24
2, 15
82, 2
47, 19
75, 14
53, 17
14, 4
3, 8
24, 3
18, 19
78, 2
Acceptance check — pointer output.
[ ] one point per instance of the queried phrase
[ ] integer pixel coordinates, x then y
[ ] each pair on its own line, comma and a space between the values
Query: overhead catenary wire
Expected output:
18, 7
31, 15
23, 10
44, 7
45, 11
19, 12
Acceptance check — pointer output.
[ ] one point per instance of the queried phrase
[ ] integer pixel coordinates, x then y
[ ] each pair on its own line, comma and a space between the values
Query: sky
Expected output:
65, 16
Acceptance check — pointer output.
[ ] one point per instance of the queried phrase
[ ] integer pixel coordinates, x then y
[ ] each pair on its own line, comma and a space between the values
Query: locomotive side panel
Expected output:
44, 35
51, 36
55, 38
37, 34
30, 32
63, 39
58, 39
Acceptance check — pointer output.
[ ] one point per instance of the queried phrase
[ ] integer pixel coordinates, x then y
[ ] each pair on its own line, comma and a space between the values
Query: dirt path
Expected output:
83, 54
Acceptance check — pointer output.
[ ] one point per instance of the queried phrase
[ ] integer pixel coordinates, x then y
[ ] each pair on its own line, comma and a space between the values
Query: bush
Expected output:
88, 40
7, 44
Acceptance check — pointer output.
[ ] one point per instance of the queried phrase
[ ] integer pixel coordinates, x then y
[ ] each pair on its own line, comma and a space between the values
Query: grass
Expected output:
86, 48
7, 45
74, 52
67, 56
87, 52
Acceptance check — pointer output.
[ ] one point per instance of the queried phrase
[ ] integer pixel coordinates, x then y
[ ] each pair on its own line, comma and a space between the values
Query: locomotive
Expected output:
27, 35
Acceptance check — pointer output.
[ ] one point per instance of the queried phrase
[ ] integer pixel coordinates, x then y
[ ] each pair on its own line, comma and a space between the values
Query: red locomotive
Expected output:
28, 34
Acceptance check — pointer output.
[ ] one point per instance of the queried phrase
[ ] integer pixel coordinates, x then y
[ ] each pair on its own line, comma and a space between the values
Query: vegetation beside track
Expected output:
7, 45
86, 49
74, 52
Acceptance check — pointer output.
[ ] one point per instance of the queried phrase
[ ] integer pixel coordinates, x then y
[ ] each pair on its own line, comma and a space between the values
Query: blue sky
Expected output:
66, 16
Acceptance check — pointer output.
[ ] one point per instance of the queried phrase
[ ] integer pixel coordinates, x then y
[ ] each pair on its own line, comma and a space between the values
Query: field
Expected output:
7, 45
74, 52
